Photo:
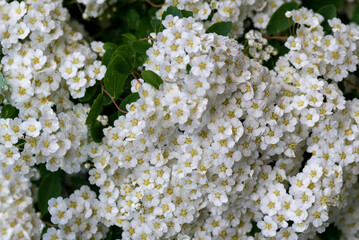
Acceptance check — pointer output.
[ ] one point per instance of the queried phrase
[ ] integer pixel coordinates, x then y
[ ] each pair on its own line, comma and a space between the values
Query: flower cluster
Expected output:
77, 217
18, 219
95, 8
258, 47
226, 142
45, 61
237, 12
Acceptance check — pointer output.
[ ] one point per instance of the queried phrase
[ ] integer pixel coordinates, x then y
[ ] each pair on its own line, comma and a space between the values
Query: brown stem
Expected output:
145, 39
282, 38
352, 84
153, 4
50, 224
113, 100
136, 78
28, 139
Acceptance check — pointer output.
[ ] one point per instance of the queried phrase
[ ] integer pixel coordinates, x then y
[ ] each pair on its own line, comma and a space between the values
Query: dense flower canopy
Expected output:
211, 141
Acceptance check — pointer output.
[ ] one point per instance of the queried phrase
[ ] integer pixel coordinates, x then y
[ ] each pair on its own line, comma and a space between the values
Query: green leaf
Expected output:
279, 22
187, 13
133, 19
355, 17
129, 36
141, 46
221, 28
120, 64
8, 111
157, 25
317, 4
140, 59
125, 50
331, 233
114, 81
95, 110
188, 68
50, 187
174, 11
328, 12
90, 94
109, 50
152, 78
96, 131
129, 99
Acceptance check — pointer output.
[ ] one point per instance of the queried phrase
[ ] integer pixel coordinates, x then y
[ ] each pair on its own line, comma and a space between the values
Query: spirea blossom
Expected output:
221, 144
259, 11
45, 62
18, 219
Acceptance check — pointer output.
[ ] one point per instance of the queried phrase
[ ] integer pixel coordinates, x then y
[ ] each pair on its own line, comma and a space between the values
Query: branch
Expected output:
136, 78
282, 38
50, 224
145, 39
352, 84
29, 139
113, 100
153, 4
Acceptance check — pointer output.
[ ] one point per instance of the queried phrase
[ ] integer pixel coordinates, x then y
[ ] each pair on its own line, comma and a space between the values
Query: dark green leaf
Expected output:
133, 19
50, 187
152, 78
174, 11
129, 36
279, 22
140, 59
145, 28
90, 93
8, 111
95, 110
109, 50
316, 4
188, 68
96, 131
141, 46
121, 64
328, 12
355, 17
187, 13
129, 99
331, 233
114, 80
125, 51
157, 25
221, 28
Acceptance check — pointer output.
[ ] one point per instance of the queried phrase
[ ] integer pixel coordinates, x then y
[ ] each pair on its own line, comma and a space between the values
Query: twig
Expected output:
282, 38
153, 4
352, 84
29, 139
113, 100
145, 39
136, 78
290, 30
49, 224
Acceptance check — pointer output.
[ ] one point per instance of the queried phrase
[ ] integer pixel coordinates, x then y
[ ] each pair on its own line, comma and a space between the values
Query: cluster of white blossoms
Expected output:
77, 217
95, 8
258, 47
225, 142
18, 219
212, 11
46, 60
